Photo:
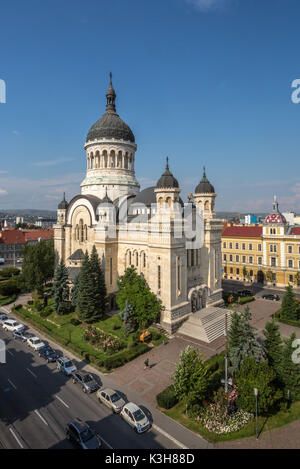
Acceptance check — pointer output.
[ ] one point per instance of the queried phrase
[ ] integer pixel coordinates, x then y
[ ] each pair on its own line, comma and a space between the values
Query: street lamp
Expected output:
256, 396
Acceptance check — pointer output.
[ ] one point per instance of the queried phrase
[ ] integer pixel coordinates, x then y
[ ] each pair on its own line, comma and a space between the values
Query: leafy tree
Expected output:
272, 345
60, 289
297, 279
290, 305
134, 289
247, 345
99, 287
85, 307
261, 376
38, 265
191, 377
289, 371
245, 272
269, 276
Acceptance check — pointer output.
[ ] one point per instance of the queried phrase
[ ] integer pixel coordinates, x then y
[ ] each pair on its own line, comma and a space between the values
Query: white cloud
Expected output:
3, 192
16, 132
208, 5
53, 162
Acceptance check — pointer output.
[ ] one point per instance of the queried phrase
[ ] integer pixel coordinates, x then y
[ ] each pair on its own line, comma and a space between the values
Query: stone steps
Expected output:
206, 325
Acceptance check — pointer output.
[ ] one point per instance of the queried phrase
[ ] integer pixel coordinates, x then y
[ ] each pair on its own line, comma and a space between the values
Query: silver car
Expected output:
135, 417
111, 399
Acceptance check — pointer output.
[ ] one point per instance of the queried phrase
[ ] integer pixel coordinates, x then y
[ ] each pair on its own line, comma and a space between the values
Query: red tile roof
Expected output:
296, 230
34, 235
23, 236
243, 231
12, 237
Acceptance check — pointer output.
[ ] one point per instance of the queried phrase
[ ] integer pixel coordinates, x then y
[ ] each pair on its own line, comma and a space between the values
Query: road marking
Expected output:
10, 353
158, 429
16, 438
62, 401
42, 418
31, 372
110, 447
11, 383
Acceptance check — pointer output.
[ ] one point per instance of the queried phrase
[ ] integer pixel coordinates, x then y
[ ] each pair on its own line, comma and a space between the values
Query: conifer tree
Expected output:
235, 331
74, 291
99, 288
290, 371
60, 289
248, 345
85, 307
289, 305
272, 345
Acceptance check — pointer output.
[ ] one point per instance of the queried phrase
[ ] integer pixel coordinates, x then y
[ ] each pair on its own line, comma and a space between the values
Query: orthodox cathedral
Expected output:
144, 229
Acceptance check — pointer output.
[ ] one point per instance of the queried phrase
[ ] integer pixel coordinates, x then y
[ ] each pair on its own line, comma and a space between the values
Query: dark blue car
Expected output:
48, 354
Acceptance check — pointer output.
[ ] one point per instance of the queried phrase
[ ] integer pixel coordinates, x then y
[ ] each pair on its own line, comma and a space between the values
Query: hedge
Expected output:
167, 398
123, 357
247, 299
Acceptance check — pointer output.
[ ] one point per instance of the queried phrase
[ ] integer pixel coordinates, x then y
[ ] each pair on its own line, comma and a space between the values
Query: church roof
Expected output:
204, 187
77, 255
63, 205
167, 180
110, 125
275, 217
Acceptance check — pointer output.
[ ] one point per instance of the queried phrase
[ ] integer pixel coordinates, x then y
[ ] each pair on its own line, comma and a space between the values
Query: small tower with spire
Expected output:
62, 211
205, 196
110, 97
167, 192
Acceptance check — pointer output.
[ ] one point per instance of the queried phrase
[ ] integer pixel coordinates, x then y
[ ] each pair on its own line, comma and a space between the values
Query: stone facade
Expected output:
145, 229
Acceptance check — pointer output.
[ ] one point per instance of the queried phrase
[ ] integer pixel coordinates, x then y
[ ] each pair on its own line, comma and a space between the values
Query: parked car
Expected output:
65, 365
270, 296
3, 317
48, 354
21, 335
12, 325
80, 433
111, 399
136, 418
244, 293
86, 381
35, 343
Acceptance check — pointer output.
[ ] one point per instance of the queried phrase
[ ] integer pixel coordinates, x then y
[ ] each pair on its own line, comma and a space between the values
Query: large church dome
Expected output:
110, 125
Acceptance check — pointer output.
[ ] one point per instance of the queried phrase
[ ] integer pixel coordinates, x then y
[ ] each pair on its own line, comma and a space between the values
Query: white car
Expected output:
35, 343
133, 415
12, 325
65, 365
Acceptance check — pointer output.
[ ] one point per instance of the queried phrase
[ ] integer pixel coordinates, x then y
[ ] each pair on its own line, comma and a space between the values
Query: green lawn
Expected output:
282, 418
62, 331
6, 300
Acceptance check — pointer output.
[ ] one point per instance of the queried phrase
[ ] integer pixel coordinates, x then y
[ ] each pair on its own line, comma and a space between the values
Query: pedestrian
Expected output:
146, 363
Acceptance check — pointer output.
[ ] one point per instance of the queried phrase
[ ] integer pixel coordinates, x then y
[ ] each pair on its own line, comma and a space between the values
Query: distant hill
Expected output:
239, 214
29, 212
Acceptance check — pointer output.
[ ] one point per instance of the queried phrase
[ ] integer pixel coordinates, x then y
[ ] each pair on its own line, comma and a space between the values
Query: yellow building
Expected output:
268, 254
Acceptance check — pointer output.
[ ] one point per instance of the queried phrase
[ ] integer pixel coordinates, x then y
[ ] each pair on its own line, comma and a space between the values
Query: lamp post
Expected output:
256, 396
226, 364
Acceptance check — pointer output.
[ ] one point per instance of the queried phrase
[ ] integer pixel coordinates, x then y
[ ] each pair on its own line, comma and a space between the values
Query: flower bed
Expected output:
215, 419
107, 343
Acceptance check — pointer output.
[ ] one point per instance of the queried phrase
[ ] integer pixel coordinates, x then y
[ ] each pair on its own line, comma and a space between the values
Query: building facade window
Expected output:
259, 247
237, 258
250, 247
290, 249
244, 246
225, 257
230, 245
273, 261
158, 277
230, 258
250, 260
290, 263
259, 261
244, 259
291, 278
236, 245
224, 245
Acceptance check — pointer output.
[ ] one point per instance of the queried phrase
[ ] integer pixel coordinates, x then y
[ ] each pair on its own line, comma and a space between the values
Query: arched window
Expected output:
206, 205
81, 231
137, 259
129, 258
144, 259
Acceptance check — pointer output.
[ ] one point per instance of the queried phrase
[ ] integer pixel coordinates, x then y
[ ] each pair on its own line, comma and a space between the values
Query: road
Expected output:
37, 401
231, 285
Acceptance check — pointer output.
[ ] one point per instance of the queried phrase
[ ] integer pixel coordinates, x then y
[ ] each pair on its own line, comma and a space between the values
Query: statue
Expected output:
127, 317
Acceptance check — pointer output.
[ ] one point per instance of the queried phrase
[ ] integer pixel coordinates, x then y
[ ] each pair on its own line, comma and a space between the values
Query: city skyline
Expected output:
211, 87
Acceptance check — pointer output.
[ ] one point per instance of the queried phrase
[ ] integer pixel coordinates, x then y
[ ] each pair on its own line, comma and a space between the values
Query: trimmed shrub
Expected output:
167, 398
9, 288
125, 356
75, 322
17, 307
46, 312
247, 299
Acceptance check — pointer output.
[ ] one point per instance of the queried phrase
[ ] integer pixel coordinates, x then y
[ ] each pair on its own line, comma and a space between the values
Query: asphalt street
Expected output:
37, 401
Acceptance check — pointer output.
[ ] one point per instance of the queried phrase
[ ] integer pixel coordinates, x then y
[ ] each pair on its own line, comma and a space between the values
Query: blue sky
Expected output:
206, 82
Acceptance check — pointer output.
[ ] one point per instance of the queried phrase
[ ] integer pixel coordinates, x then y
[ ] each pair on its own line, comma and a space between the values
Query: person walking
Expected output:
146, 363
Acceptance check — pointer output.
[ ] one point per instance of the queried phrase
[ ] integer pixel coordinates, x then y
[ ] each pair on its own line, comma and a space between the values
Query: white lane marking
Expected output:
10, 353
62, 401
158, 429
31, 372
110, 447
11, 383
42, 418
16, 438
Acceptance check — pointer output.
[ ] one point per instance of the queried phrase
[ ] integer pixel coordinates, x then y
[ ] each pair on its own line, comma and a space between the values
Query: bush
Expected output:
125, 356
9, 272
9, 288
75, 322
18, 307
247, 299
38, 305
30, 302
115, 327
167, 398
46, 312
